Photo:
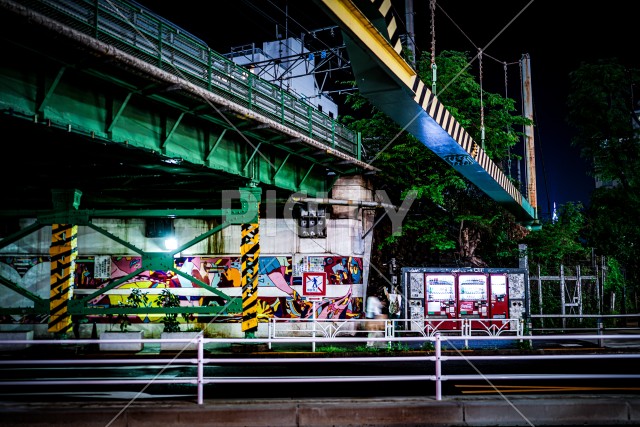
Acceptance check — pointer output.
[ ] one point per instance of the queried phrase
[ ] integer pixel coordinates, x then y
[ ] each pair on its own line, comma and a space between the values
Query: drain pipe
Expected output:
342, 202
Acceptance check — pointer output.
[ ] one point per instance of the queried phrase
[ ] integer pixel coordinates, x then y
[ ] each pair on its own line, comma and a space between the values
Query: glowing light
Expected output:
171, 243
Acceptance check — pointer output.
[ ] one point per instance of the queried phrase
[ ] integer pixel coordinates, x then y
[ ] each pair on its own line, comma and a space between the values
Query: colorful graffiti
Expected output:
275, 277
340, 270
345, 307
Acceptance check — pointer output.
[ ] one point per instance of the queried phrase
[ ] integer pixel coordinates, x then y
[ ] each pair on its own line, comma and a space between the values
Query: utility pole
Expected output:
530, 156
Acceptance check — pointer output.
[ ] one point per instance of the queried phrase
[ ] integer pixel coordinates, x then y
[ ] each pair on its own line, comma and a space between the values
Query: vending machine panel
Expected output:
441, 300
416, 300
499, 296
472, 297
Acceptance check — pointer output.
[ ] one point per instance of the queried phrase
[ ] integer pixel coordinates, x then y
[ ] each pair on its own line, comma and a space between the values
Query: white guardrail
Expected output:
16, 359
389, 328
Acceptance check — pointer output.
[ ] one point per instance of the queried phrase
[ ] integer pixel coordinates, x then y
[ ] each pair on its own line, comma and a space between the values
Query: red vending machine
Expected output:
499, 286
441, 300
472, 298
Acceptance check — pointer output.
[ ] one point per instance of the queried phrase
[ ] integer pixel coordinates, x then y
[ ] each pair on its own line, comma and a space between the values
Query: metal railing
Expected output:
156, 41
389, 328
200, 361
584, 322
602, 324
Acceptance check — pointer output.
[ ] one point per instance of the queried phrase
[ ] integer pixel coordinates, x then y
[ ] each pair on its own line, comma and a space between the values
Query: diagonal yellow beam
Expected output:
352, 18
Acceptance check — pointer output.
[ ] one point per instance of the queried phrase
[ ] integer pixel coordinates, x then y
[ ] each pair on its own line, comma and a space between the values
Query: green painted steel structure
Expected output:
108, 100
247, 212
111, 73
109, 111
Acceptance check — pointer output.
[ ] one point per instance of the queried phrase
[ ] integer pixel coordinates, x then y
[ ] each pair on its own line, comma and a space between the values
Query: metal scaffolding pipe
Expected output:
341, 202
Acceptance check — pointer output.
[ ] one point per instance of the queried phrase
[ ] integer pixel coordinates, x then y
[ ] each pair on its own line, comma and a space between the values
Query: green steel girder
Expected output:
234, 305
112, 285
249, 200
144, 102
104, 233
41, 305
66, 86
200, 283
14, 237
51, 90
248, 212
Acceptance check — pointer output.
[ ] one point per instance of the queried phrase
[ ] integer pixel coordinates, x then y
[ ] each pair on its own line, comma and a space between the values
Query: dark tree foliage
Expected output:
603, 111
560, 242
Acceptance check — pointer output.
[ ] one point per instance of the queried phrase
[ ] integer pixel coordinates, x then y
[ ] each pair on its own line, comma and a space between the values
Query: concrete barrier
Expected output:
122, 346
13, 336
536, 410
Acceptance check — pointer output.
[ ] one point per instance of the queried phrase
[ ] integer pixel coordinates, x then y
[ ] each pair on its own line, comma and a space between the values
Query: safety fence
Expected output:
600, 323
389, 328
198, 360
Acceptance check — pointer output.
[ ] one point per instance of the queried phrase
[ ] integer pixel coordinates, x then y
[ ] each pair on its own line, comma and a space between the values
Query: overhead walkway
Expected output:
372, 38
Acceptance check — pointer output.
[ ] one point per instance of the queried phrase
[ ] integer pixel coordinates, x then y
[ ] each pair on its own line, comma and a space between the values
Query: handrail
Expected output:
200, 361
594, 322
427, 327
156, 41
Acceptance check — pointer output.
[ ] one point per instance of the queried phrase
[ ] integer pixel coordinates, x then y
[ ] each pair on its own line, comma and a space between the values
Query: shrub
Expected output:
168, 299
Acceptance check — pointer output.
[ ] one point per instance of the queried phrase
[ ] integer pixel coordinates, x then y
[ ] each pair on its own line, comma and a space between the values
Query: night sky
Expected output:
557, 36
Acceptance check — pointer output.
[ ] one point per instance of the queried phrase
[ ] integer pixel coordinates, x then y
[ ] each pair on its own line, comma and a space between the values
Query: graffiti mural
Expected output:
342, 270
279, 288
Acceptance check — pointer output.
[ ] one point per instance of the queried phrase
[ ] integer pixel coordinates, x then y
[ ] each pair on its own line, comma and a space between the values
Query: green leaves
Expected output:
135, 299
602, 113
445, 201
170, 320
560, 242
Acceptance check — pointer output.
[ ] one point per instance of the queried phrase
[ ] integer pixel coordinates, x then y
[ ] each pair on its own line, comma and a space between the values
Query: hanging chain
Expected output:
434, 73
506, 89
521, 85
481, 100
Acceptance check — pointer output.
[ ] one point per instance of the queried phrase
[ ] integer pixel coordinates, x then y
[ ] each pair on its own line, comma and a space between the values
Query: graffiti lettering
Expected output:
459, 159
